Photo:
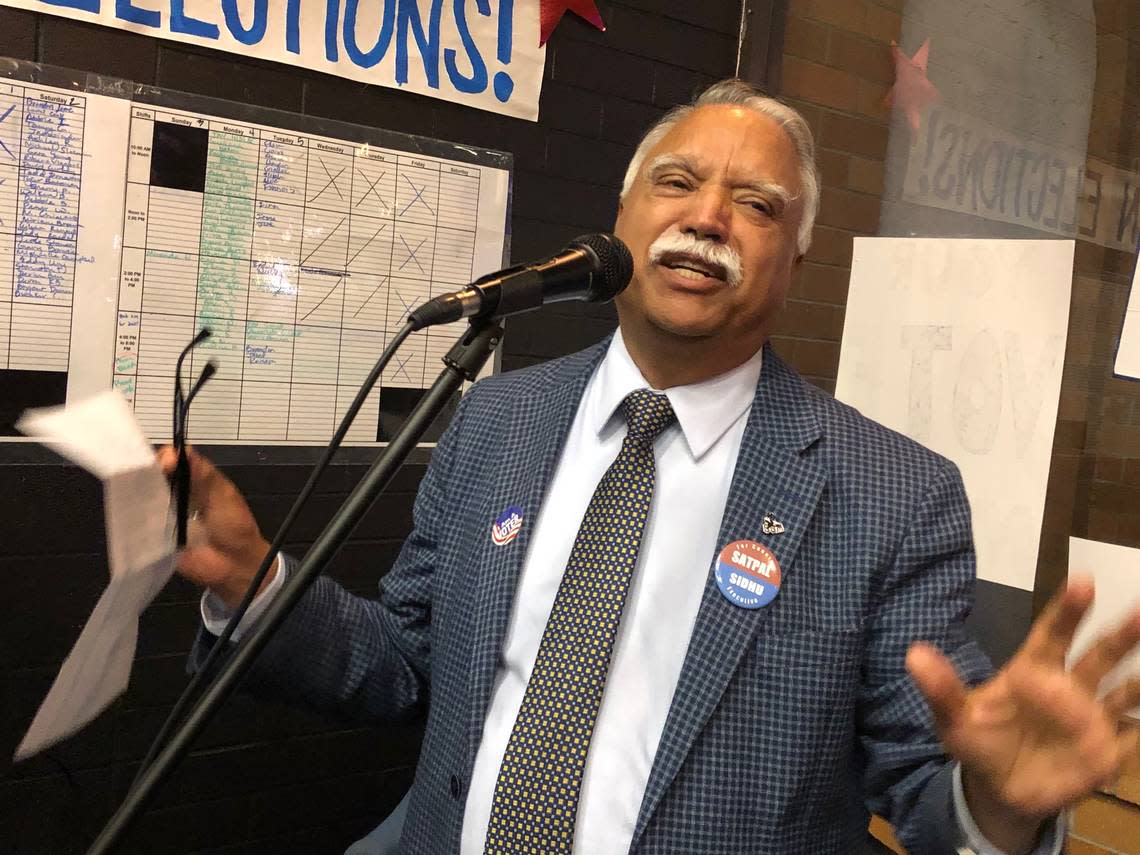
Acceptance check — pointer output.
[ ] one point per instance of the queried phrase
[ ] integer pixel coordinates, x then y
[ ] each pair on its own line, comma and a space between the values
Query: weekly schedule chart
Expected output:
128, 227
41, 166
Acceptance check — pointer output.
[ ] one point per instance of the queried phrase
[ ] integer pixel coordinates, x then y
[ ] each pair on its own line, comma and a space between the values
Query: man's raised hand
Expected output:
1036, 737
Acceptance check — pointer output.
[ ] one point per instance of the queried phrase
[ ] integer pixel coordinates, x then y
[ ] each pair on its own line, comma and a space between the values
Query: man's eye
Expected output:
760, 207
678, 183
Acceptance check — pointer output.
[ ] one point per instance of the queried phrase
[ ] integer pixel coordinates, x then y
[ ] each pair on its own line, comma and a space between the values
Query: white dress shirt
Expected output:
695, 461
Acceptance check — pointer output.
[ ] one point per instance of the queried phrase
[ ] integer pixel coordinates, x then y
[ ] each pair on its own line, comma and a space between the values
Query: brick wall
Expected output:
1094, 489
264, 778
1105, 411
837, 69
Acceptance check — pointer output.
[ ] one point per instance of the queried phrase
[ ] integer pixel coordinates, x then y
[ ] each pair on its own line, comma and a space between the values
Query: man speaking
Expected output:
663, 596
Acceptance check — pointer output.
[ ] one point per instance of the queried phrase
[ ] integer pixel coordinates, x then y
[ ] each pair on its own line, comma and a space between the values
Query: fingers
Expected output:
210, 489
1123, 698
167, 459
938, 682
208, 486
1052, 633
1096, 663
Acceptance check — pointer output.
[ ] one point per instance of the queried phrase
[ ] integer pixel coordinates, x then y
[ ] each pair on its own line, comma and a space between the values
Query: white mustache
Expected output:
675, 242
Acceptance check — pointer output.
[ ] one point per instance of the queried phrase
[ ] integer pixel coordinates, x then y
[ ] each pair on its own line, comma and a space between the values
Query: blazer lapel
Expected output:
772, 476
541, 416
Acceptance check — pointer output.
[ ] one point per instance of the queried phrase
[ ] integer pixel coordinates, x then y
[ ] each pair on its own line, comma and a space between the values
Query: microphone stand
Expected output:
463, 362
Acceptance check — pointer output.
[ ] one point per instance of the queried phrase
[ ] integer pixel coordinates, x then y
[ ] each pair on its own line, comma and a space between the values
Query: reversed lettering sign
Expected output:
963, 164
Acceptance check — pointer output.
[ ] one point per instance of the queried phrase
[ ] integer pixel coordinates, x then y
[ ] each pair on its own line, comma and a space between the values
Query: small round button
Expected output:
455, 786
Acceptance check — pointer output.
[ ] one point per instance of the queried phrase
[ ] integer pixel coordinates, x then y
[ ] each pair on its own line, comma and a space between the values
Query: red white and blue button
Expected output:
507, 526
748, 574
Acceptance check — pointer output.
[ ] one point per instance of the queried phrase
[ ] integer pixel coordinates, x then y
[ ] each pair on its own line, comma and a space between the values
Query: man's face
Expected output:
722, 186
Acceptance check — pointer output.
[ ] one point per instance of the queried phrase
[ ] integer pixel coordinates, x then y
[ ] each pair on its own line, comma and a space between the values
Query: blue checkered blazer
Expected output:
789, 724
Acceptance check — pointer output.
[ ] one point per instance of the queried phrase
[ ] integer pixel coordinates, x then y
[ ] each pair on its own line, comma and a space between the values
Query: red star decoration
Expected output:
912, 91
551, 12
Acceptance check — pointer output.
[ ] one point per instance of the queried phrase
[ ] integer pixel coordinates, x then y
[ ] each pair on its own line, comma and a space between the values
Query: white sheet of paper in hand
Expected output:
101, 435
1115, 571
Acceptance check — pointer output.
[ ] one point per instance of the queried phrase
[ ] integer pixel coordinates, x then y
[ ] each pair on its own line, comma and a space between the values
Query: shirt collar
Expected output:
704, 410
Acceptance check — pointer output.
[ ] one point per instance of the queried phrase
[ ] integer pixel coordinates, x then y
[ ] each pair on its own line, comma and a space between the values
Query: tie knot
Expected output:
647, 413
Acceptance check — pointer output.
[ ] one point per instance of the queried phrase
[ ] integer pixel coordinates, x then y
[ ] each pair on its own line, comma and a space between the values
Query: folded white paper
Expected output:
101, 435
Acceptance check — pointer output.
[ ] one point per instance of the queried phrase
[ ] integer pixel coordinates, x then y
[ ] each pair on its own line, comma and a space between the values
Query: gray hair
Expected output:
739, 92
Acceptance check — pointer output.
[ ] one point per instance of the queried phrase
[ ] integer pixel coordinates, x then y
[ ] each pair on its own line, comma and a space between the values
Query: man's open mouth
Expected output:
692, 267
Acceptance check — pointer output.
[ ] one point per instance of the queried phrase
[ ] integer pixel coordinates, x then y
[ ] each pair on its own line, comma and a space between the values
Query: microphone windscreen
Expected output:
614, 267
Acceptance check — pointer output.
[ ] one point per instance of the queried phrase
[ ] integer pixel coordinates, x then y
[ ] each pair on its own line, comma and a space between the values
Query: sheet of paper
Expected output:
98, 432
99, 666
502, 48
101, 435
1128, 349
1116, 573
959, 344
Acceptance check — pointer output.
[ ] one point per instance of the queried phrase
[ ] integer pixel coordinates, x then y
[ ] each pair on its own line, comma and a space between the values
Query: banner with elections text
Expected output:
482, 53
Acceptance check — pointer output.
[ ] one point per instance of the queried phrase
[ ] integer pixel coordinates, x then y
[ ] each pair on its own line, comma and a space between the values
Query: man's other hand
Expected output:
1036, 738
225, 547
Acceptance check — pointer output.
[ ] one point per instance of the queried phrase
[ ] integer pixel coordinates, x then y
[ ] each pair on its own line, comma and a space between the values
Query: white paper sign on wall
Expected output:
959, 344
472, 52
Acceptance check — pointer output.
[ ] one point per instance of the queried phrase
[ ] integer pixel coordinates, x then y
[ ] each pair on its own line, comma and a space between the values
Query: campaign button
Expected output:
507, 526
748, 574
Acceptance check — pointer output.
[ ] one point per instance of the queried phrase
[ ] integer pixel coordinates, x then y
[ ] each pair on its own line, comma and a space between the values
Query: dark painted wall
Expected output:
265, 778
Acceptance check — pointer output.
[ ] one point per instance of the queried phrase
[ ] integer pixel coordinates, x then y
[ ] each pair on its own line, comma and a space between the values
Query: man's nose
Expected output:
708, 216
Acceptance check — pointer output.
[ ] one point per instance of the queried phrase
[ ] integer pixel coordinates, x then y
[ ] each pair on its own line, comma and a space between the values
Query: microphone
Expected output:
594, 268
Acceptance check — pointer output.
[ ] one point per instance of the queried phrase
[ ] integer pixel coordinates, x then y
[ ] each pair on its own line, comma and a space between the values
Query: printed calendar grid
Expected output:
303, 255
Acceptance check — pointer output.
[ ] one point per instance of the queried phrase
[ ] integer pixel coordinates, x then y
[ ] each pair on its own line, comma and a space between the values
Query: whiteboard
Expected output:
126, 227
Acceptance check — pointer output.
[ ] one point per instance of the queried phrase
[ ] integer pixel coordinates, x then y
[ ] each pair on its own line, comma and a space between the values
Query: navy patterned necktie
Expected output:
536, 795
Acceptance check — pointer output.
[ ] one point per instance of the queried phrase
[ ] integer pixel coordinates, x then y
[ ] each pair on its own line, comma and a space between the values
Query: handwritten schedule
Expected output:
41, 168
302, 254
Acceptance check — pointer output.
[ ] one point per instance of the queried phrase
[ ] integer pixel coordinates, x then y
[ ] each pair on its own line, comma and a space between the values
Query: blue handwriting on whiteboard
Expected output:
7, 113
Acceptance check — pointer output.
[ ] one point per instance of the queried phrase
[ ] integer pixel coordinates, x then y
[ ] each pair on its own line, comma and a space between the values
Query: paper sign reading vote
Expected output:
959, 344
